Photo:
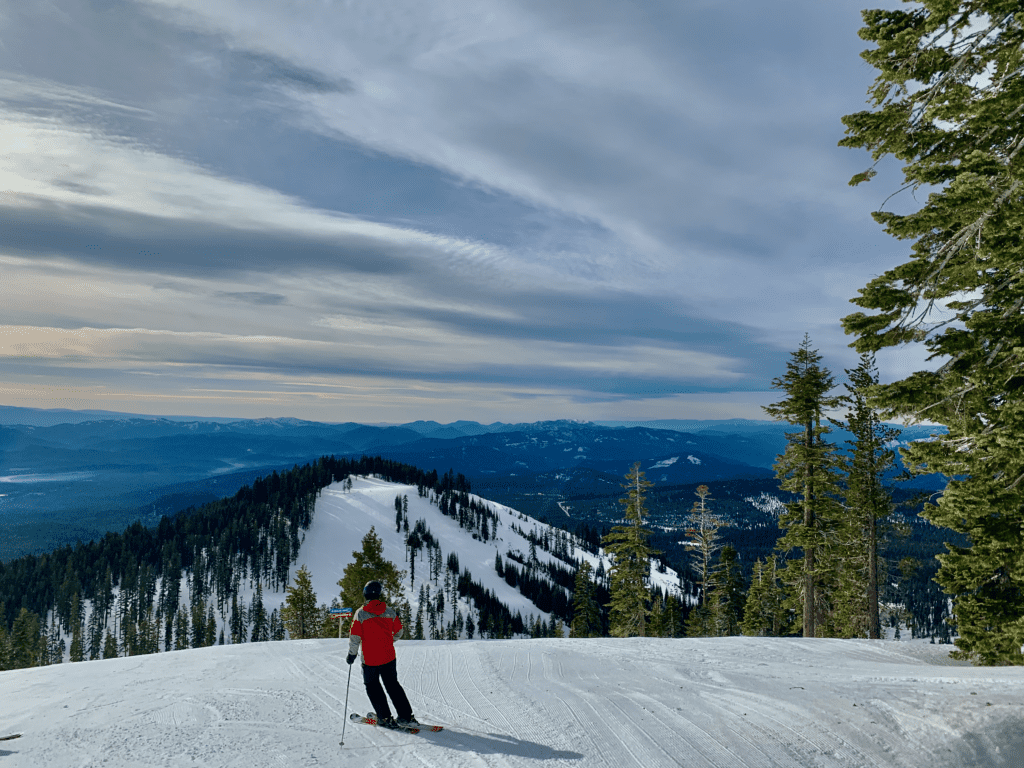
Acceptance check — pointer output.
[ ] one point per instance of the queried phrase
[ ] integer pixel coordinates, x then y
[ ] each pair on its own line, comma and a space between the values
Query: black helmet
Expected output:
372, 590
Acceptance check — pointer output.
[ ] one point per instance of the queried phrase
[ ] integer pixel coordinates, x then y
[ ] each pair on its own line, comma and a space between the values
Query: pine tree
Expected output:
211, 628
5, 646
764, 613
673, 616
300, 614
77, 649
727, 594
656, 623
867, 499
198, 639
328, 624
238, 622
702, 526
586, 618
25, 645
181, 629
631, 553
369, 564
110, 647
276, 626
701, 622
95, 641
960, 292
406, 615
806, 468
260, 623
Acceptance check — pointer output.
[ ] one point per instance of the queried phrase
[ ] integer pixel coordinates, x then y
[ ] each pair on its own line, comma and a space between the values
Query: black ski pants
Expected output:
388, 674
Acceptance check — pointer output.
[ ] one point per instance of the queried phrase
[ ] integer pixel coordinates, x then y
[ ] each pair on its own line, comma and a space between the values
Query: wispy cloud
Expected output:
583, 203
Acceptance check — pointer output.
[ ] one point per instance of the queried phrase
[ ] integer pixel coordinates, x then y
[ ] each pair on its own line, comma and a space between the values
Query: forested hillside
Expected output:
254, 534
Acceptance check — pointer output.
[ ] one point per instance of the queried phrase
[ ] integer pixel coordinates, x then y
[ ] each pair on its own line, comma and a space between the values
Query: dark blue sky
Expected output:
367, 211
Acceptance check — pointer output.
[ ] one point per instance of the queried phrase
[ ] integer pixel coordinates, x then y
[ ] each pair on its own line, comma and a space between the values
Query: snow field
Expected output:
608, 703
341, 520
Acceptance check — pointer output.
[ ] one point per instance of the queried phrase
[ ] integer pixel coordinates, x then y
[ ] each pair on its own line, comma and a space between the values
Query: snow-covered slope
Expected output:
342, 518
726, 702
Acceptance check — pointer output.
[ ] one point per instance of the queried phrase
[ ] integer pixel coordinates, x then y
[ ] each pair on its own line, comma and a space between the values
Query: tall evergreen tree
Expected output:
260, 621
868, 500
110, 646
25, 644
656, 622
702, 526
961, 291
181, 629
628, 545
211, 628
276, 626
586, 617
673, 616
299, 613
806, 468
727, 594
198, 624
77, 648
5, 646
94, 643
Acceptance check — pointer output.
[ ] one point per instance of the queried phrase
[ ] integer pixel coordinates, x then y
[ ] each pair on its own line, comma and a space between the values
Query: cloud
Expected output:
621, 203
254, 297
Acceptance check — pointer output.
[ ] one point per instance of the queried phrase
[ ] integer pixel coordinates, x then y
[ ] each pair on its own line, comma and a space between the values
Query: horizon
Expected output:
228, 419
187, 417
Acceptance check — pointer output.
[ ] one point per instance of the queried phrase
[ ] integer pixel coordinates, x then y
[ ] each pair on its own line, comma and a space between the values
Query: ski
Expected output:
371, 719
12, 736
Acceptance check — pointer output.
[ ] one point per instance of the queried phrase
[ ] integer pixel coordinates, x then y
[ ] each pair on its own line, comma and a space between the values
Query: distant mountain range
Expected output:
66, 475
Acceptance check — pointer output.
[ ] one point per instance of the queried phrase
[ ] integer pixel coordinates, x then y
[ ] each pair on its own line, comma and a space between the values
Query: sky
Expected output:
497, 210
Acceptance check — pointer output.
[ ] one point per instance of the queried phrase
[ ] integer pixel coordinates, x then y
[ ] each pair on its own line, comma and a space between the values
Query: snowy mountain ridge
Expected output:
342, 517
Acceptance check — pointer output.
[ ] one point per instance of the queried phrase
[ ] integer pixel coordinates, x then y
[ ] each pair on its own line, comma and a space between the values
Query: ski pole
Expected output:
345, 721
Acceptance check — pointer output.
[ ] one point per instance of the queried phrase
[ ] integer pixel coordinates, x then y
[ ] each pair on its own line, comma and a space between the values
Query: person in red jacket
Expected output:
375, 627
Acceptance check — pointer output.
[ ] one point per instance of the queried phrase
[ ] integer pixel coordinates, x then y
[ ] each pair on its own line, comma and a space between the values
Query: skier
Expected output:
376, 626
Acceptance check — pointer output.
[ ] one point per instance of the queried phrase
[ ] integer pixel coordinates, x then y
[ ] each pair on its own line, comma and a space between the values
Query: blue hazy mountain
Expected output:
68, 475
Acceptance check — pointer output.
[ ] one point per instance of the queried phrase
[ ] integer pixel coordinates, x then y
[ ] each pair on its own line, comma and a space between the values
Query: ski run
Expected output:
734, 702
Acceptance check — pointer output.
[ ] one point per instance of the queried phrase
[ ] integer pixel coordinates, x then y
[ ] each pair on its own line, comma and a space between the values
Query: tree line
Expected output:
122, 594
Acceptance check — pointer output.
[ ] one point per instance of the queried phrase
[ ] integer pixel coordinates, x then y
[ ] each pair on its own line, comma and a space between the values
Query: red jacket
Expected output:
376, 627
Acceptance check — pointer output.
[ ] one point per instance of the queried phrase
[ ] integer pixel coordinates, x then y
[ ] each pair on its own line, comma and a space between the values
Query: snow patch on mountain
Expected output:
766, 504
665, 463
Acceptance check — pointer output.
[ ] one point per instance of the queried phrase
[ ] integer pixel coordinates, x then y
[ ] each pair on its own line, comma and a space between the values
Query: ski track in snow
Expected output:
606, 703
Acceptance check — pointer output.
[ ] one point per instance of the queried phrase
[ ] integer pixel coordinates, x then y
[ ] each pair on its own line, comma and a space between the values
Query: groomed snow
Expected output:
727, 702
